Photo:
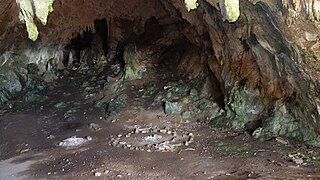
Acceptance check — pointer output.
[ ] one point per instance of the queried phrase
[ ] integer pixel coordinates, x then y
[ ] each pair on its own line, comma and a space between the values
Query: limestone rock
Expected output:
172, 107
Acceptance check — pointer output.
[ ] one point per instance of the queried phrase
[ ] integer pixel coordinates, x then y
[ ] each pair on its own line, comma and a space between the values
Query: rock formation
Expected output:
264, 62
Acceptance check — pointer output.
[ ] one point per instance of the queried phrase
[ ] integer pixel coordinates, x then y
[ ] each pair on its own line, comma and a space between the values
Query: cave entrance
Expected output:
122, 89
160, 62
142, 80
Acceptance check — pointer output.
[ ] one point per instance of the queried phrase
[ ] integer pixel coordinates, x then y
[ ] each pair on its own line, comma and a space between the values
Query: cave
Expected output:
159, 89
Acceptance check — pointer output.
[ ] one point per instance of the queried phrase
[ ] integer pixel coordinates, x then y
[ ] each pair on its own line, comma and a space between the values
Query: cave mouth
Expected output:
154, 89
158, 56
160, 52
116, 68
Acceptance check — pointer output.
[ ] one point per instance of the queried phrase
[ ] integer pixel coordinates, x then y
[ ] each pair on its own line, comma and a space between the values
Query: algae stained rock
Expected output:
172, 107
29, 9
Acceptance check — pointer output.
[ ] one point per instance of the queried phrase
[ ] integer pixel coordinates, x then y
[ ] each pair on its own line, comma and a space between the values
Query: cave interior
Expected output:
117, 79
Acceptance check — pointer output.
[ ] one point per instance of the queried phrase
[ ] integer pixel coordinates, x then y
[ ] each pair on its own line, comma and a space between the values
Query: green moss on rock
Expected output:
131, 64
230, 9
243, 107
191, 4
31, 9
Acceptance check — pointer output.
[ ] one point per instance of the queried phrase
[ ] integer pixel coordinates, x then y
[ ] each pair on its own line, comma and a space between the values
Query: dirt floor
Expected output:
142, 142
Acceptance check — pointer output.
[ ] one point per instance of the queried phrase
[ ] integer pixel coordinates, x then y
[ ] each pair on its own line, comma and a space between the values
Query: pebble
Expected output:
97, 174
119, 135
282, 140
174, 133
148, 145
119, 176
190, 139
163, 131
89, 138
122, 142
51, 137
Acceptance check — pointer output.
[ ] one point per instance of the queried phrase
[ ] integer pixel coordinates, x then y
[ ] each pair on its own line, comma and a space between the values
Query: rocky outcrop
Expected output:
266, 63
264, 83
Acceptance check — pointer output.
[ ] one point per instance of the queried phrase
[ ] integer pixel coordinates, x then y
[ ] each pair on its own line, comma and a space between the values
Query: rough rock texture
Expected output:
266, 63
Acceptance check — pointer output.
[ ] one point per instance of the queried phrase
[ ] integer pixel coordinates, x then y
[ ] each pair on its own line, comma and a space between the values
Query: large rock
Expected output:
10, 85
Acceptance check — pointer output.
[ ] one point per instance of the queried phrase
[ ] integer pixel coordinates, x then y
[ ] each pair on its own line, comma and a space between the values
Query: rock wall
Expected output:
265, 75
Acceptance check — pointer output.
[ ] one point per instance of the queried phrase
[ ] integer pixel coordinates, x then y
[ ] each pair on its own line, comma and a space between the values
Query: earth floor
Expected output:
137, 145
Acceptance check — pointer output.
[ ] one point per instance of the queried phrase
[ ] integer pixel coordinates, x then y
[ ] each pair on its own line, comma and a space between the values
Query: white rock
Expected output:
72, 142
119, 176
97, 174
89, 138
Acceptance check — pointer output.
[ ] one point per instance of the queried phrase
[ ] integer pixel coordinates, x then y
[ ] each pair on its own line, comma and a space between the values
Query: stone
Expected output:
119, 176
89, 138
193, 93
99, 104
115, 106
12, 82
114, 70
73, 142
51, 136
66, 94
34, 96
150, 90
230, 9
39, 9
49, 76
10, 85
186, 115
97, 174
61, 105
191, 4
172, 107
